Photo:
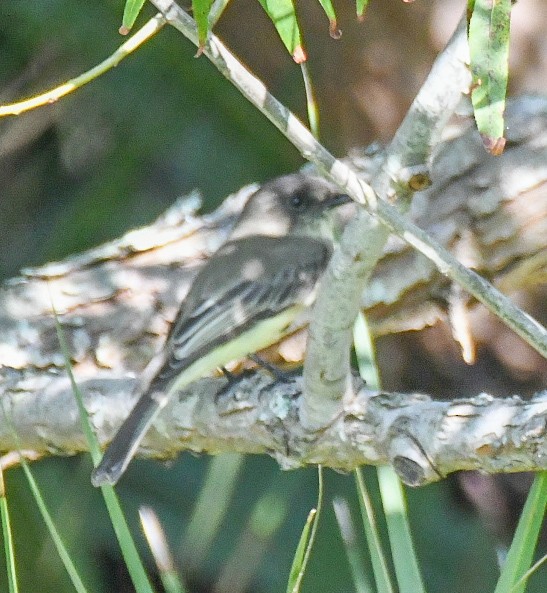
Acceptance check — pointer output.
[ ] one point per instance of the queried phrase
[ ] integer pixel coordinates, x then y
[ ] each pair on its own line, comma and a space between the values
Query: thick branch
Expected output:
115, 302
120, 296
423, 439
348, 179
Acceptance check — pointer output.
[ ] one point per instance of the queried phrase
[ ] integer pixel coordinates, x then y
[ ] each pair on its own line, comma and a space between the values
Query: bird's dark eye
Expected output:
298, 202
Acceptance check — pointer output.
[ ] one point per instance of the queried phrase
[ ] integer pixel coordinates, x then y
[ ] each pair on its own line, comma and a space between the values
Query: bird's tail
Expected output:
128, 438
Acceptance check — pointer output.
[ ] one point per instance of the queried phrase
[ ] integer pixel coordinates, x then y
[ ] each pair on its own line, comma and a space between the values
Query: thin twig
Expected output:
346, 177
53, 95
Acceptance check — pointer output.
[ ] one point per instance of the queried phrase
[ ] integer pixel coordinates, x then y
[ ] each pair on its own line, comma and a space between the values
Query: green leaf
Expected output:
157, 542
470, 8
311, 103
297, 567
8, 538
52, 529
524, 542
130, 13
64, 555
403, 553
365, 352
305, 544
489, 54
334, 31
377, 554
201, 9
128, 548
361, 6
283, 16
405, 561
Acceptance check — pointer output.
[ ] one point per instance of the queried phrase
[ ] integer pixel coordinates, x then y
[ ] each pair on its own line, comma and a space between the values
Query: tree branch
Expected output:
115, 303
423, 439
321, 410
400, 170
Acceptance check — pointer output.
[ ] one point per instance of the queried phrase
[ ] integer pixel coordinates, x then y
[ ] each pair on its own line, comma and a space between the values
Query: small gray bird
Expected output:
245, 298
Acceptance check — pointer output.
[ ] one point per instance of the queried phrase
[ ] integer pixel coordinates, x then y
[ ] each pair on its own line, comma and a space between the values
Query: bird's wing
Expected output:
219, 308
219, 311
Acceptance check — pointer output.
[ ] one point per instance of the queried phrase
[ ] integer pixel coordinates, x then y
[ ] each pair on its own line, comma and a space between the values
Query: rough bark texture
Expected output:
423, 439
115, 302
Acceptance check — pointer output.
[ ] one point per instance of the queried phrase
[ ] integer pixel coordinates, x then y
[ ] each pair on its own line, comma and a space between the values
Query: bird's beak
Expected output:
336, 200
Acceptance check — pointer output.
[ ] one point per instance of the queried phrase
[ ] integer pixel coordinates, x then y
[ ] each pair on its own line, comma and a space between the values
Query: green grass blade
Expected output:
470, 8
524, 542
125, 539
305, 544
300, 552
55, 536
171, 582
489, 56
404, 557
283, 16
89, 434
7, 536
128, 548
311, 103
376, 551
50, 525
131, 11
529, 572
365, 353
347, 531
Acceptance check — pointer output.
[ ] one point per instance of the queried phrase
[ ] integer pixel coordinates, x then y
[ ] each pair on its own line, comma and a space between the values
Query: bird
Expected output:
248, 296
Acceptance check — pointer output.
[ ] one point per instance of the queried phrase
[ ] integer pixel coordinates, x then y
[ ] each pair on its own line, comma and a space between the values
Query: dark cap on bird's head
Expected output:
295, 204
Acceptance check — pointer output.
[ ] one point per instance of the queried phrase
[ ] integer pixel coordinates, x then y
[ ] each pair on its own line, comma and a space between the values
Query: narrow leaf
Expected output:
201, 9
489, 54
298, 559
334, 31
157, 542
377, 554
404, 556
55, 536
283, 16
403, 553
353, 550
524, 542
8, 538
311, 103
131, 11
305, 544
470, 8
365, 352
52, 529
361, 6
128, 548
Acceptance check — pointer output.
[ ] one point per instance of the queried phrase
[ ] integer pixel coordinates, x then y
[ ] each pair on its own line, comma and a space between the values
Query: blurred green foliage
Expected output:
447, 546
116, 153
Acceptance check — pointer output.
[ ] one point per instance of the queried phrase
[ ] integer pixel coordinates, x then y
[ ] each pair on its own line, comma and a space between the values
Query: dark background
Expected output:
116, 153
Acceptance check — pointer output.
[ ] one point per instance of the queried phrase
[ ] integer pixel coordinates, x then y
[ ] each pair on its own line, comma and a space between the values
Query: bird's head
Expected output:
296, 204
